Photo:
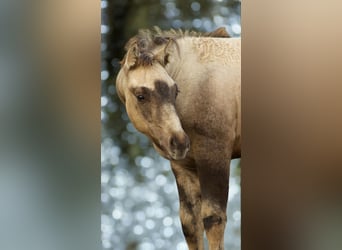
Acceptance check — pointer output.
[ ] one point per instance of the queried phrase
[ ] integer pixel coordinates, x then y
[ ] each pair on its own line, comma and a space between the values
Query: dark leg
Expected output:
214, 178
190, 204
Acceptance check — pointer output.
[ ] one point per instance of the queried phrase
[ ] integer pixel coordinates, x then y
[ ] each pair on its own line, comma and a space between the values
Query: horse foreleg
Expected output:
190, 205
214, 178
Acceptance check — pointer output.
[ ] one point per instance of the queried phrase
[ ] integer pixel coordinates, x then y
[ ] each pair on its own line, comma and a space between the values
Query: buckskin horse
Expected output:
183, 90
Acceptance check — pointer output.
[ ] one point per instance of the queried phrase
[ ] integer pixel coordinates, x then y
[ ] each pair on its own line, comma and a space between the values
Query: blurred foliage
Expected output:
139, 196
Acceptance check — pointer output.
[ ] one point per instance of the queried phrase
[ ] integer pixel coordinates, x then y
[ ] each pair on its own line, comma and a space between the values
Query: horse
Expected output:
182, 90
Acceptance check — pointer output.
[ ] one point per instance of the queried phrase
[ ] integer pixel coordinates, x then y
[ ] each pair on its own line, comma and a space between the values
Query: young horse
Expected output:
183, 90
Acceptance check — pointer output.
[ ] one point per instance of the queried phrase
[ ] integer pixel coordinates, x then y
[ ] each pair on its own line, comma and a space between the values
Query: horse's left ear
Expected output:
162, 55
220, 32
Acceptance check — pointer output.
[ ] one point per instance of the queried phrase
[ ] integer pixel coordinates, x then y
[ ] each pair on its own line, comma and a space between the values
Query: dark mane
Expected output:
147, 40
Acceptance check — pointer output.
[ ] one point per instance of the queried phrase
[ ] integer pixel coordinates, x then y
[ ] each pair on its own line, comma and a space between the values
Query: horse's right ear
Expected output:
130, 58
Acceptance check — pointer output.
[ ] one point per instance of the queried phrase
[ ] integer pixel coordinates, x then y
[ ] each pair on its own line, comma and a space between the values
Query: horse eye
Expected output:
140, 97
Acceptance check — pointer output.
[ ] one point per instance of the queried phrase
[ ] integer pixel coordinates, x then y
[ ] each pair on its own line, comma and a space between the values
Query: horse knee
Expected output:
214, 226
212, 220
212, 215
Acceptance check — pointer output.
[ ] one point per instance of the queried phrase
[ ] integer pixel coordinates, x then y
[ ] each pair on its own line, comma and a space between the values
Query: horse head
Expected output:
149, 94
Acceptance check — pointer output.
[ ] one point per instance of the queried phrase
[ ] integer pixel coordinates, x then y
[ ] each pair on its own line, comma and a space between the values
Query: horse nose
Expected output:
180, 142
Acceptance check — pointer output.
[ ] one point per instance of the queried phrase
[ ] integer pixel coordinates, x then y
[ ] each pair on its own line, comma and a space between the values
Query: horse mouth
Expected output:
175, 151
179, 155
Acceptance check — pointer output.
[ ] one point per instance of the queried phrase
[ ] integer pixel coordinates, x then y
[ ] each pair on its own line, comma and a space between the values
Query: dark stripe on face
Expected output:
151, 104
164, 92
162, 89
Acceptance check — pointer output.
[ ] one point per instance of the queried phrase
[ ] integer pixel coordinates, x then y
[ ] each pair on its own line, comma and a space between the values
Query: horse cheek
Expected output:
135, 117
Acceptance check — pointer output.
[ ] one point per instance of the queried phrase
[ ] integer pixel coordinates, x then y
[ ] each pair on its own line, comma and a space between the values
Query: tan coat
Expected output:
183, 91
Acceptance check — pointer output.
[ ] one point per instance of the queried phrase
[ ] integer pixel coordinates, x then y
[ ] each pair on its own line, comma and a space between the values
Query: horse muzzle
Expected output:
179, 145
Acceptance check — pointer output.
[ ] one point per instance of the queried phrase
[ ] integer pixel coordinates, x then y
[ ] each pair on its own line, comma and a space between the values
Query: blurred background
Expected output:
138, 191
50, 127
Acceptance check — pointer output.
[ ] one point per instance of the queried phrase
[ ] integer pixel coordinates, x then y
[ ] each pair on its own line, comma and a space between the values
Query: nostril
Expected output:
173, 142
180, 143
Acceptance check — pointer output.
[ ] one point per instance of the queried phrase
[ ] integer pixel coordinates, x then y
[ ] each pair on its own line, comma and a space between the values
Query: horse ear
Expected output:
130, 59
220, 32
162, 55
